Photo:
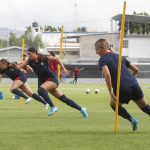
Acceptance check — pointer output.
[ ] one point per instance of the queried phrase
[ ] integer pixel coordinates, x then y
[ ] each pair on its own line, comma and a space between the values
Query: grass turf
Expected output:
27, 127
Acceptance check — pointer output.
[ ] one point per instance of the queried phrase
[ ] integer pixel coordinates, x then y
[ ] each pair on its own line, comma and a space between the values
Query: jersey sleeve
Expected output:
127, 62
101, 63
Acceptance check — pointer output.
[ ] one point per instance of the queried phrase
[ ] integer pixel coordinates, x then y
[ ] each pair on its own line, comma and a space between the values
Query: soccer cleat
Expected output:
47, 106
134, 124
84, 112
13, 97
28, 100
52, 111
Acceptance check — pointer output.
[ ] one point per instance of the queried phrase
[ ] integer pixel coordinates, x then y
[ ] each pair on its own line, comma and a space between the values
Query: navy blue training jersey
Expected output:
11, 71
111, 60
41, 68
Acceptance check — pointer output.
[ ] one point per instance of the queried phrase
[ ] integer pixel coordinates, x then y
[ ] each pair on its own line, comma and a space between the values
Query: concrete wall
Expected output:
12, 55
87, 48
139, 47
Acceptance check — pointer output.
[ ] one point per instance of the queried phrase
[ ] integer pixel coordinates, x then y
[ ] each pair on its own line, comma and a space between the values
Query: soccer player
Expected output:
76, 75
27, 69
53, 66
129, 87
19, 81
49, 82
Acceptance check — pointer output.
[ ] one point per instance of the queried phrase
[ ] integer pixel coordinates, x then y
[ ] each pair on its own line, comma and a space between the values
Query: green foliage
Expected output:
50, 28
31, 41
80, 29
13, 40
138, 28
3, 43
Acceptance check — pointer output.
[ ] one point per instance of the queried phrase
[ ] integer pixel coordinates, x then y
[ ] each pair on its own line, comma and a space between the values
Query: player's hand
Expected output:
113, 97
66, 72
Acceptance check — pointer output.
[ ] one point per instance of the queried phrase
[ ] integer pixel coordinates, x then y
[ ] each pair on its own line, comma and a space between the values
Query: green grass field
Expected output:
27, 127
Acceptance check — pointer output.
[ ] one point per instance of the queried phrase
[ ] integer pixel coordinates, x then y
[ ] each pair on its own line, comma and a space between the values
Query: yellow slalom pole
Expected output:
22, 53
60, 56
119, 66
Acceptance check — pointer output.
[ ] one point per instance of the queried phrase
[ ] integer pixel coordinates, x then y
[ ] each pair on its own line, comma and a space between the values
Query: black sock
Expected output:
146, 109
38, 98
19, 93
45, 96
69, 102
123, 113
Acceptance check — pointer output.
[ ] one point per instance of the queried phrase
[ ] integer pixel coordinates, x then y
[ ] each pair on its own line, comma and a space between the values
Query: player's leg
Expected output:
58, 94
15, 89
140, 100
122, 112
43, 92
76, 78
25, 87
143, 105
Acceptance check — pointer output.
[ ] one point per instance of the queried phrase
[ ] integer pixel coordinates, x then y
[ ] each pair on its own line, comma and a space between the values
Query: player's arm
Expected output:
107, 77
60, 63
29, 68
23, 64
134, 69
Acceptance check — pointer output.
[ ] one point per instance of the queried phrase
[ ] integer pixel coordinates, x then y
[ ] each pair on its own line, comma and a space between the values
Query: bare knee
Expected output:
29, 94
11, 90
112, 103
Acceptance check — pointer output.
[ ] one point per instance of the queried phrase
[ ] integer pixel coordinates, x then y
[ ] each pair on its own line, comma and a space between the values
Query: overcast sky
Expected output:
94, 14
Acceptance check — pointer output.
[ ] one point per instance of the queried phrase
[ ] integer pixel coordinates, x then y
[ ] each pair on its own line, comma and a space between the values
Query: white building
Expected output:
12, 54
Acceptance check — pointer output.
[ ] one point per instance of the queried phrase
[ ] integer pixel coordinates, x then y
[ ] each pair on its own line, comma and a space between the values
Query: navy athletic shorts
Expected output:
55, 80
132, 93
22, 78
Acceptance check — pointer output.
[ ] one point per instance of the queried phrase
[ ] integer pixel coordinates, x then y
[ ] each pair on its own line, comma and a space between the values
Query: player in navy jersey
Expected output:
49, 81
19, 81
129, 87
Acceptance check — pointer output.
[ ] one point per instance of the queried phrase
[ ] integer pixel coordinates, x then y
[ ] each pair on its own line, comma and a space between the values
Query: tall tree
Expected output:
50, 28
13, 40
3, 43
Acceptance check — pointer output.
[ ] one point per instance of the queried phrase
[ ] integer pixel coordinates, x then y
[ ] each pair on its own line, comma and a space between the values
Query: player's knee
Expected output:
12, 90
112, 103
30, 94
41, 91
112, 106
62, 98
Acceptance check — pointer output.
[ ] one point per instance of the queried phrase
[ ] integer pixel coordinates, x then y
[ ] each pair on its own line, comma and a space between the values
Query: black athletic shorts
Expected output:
40, 82
131, 93
22, 78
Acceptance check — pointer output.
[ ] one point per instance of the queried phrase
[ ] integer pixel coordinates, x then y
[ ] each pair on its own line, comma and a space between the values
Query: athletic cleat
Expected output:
134, 124
84, 112
13, 97
52, 111
28, 100
47, 106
